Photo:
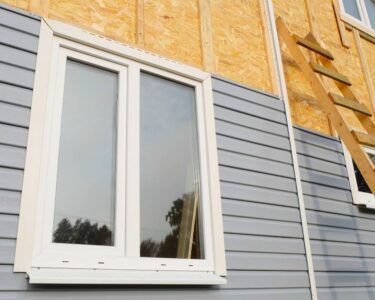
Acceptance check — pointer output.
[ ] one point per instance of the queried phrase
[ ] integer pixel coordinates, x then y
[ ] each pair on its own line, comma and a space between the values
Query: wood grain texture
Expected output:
238, 41
172, 29
366, 69
206, 35
115, 19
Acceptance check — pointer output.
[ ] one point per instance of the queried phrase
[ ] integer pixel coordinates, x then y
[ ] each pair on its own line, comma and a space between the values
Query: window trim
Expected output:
53, 34
364, 25
359, 198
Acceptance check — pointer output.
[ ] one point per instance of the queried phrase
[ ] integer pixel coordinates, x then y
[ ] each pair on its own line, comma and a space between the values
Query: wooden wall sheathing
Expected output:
237, 40
113, 18
369, 52
172, 29
23, 4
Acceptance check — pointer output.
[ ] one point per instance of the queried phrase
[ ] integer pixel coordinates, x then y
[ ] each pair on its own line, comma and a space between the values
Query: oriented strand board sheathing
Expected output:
239, 44
301, 97
111, 18
17, 3
172, 29
369, 52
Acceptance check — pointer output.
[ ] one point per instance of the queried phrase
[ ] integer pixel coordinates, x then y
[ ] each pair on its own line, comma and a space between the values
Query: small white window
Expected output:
360, 13
361, 193
121, 180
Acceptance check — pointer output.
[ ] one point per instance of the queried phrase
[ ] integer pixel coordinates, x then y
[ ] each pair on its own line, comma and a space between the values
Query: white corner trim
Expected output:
76, 34
25, 234
284, 95
214, 182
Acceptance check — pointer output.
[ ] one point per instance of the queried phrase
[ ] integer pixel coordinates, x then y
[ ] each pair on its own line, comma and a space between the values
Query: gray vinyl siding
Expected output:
18, 47
342, 234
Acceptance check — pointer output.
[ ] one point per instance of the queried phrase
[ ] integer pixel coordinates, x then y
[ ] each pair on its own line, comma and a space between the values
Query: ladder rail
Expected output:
328, 107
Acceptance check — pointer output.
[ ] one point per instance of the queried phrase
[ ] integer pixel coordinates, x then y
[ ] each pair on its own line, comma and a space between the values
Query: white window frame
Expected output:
359, 198
47, 262
364, 24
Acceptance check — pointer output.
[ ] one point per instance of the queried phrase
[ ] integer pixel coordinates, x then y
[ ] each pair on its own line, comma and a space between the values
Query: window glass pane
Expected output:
169, 170
351, 8
85, 189
361, 183
370, 6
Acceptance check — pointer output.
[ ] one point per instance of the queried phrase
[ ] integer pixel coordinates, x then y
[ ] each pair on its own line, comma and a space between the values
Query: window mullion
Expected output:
132, 231
121, 162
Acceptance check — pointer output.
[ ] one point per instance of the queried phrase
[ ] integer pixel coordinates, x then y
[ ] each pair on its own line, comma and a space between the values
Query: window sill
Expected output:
365, 199
80, 276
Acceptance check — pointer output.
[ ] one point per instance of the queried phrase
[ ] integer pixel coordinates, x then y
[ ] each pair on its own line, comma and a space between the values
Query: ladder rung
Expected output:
351, 104
364, 138
312, 46
330, 73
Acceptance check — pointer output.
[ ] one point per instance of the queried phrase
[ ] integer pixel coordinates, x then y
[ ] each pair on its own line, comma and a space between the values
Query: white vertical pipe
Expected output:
284, 96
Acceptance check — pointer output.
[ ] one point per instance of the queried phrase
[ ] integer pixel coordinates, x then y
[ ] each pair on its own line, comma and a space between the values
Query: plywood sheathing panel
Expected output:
172, 29
17, 3
347, 61
112, 18
303, 106
369, 53
238, 42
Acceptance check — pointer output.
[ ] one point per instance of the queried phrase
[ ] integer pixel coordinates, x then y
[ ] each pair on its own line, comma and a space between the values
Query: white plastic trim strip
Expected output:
284, 96
81, 276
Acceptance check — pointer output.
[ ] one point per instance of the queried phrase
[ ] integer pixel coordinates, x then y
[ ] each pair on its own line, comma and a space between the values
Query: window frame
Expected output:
364, 24
57, 42
359, 198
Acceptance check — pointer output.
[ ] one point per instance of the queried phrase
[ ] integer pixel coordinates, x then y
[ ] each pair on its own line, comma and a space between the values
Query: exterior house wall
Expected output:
263, 234
228, 38
342, 235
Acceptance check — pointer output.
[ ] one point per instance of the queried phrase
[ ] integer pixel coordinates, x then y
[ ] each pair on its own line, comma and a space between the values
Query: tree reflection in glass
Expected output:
169, 170
86, 173
361, 183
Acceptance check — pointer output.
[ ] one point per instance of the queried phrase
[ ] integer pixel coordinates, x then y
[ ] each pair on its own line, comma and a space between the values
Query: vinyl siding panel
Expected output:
342, 234
263, 235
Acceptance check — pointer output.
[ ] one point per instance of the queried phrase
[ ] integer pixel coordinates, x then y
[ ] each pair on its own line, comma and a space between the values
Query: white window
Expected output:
360, 13
362, 194
121, 181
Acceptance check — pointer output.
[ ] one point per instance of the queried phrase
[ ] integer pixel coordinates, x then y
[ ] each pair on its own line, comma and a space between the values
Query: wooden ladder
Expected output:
328, 102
